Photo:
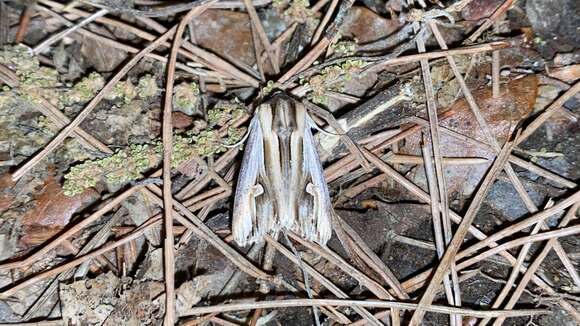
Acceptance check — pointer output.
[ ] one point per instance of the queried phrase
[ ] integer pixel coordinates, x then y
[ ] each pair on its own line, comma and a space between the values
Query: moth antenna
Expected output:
313, 125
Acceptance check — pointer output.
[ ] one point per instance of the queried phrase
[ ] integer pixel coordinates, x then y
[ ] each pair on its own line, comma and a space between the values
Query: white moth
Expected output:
281, 184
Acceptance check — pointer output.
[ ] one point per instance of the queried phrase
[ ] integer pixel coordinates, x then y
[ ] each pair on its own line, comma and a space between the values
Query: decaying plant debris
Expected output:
122, 129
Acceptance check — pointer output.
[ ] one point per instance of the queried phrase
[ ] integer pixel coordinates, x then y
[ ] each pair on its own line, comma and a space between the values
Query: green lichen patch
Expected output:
147, 87
332, 78
34, 82
84, 90
19, 58
130, 163
124, 91
345, 48
186, 98
224, 112
299, 11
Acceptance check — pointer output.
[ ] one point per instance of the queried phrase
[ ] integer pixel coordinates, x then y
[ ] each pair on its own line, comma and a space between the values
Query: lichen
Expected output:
345, 48
224, 112
130, 163
84, 90
331, 78
34, 82
147, 87
186, 98
124, 91
270, 86
299, 11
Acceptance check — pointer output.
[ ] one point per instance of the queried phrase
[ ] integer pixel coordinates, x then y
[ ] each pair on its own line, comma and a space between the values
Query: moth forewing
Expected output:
281, 184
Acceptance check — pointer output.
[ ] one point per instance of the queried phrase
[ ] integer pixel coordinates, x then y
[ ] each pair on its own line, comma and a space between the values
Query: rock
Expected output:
556, 24
367, 26
477, 10
89, 302
101, 57
227, 33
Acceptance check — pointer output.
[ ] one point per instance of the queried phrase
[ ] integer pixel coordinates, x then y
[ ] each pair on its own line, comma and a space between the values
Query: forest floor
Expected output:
457, 205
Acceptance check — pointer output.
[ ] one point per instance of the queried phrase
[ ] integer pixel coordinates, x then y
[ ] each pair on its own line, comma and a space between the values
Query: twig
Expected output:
441, 197
571, 230
167, 136
71, 231
489, 21
536, 264
461, 232
323, 280
324, 21
539, 216
305, 276
516, 269
547, 113
40, 47
75, 262
329, 118
154, 12
362, 303
262, 35
495, 74
23, 24
513, 159
440, 239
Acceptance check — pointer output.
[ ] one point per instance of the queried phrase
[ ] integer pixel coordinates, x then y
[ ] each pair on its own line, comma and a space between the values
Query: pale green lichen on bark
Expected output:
331, 78
345, 48
186, 98
84, 90
147, 86
130, 163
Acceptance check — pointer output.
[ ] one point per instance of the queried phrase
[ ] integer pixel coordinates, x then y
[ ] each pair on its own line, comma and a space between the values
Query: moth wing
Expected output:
253, 210
315, 209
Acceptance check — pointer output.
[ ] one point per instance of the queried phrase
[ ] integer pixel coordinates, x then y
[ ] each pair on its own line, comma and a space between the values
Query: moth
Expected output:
281, 184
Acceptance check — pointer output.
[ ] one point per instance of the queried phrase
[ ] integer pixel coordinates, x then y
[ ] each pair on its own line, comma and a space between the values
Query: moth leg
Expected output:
350, 144
254, 192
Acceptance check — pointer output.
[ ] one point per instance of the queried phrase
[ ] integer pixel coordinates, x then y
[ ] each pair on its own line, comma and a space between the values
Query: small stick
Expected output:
571, 230
513, 159
461, 232
167, 138
440, 240
262, 35
352, 147
305, 276
40, 47
322, 279
23, 25
495, 73
548, 112
362, 303
536, 264
485, 47
442, 197
539, 216
515, 270
412, 159
324, 21
75, 262
489, 21
68, 233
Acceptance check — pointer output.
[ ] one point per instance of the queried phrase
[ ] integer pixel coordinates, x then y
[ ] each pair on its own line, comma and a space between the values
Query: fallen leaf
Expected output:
52, 211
